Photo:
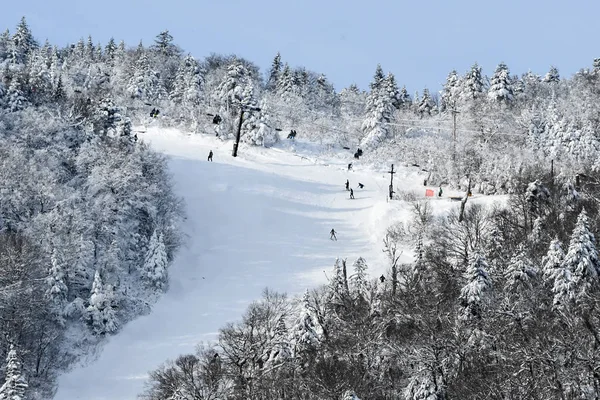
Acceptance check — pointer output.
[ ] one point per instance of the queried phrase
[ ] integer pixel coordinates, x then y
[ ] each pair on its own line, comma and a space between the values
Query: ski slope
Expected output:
255, 221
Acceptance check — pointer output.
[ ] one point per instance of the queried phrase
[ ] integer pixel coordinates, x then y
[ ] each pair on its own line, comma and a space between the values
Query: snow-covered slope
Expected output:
255, 221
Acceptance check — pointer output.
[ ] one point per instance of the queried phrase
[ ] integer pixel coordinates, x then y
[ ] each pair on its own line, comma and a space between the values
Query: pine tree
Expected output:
281, 349
57, 289
581, 261
257, 127
5, 45
89, 50
287, 85
520, 272
274, 73
500, 86
144, 84
379, 111
23, 43
426, 104
378, 81
474, 295
163, 44
451, 90
186, 88
59, 92
358, 280
392, 89
552, 76
552, 262
472, 85
236, 88
15, 386
111, 50
404, 99
156, 262
101, 311
15, 101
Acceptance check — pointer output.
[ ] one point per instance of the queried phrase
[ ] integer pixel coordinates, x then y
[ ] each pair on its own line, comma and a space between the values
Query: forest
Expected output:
500, 302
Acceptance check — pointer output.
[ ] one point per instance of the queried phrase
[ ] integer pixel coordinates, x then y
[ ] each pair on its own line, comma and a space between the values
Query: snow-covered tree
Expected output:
474, 295
359, 278
163, 44
500, 85
101, 311
392, 89
237, 87
472, 84
581, 263
405, 100
273, 79
379, 111
287, 84
552, 76
451, 91
23, 43
57, 289
257, 128
144, 83
520, 272
156, 262
186, 88
281, 349
426, 104
15, 385
15, 100
553, 261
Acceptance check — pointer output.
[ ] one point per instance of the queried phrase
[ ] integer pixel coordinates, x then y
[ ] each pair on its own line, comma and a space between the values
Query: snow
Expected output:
259, 220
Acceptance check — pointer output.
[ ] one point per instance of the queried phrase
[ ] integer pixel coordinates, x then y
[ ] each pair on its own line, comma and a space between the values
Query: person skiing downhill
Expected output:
347, 184
210, 154
333, 237
350, 167
351, 193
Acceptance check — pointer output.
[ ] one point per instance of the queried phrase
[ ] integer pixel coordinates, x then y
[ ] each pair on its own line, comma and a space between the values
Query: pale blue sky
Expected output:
419, 41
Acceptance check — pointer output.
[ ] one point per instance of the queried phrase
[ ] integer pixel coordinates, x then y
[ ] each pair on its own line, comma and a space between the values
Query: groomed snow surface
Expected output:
259, 220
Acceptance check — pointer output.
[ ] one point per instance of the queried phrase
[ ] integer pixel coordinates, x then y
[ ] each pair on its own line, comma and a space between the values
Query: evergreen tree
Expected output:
358, 280
186, 88
163, 44
236, 88
257, 127
392, 89
101, 312
5, 45
378, 81
23, 43
155, 263
287, 85
581, 262
111, 50
552, 262
426, 104
281, 349
57, 289
144, 84
15, 386
520, 272
451, 90
379, 111
552, 76
474, 295
472, 85
501, 87
405, 101
15, 100
59, 92
274, 73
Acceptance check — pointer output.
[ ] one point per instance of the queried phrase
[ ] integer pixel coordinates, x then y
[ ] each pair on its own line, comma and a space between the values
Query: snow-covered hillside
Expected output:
255, 221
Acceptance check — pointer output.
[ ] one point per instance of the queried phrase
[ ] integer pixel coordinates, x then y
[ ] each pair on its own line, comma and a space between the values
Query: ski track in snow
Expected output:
259, 220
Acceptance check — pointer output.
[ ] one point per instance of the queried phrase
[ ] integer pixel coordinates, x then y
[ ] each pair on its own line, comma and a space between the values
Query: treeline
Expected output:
88, 223
499, 303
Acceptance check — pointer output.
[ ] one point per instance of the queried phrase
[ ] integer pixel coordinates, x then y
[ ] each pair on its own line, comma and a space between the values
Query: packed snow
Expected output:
259, 220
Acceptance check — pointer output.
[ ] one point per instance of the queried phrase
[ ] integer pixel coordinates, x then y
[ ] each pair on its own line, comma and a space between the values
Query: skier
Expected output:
333, 237
152, 112
210, 154
347, 184
350, 167
360, 185
440, 192
351, 193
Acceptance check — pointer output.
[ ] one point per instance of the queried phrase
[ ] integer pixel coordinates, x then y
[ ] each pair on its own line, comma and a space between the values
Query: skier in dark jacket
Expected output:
347, 184
351, 193
333, 237
350, 167
210, 154
360, 185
